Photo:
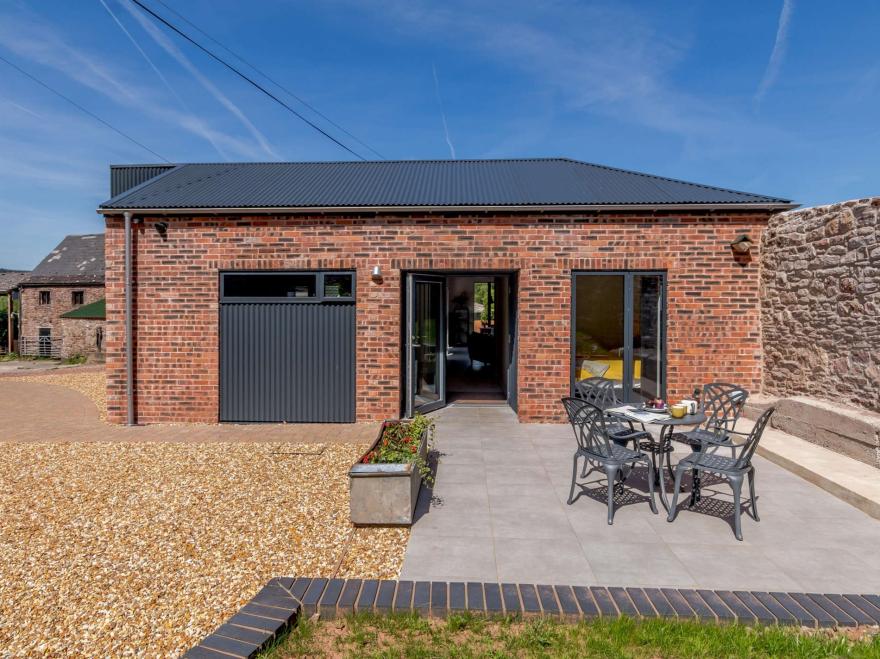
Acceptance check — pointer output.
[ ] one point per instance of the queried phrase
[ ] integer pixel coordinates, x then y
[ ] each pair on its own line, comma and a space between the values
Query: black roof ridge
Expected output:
172, 168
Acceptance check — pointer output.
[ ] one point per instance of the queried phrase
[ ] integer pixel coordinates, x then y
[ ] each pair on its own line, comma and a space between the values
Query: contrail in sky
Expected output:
775, 62
162, 78
442, 111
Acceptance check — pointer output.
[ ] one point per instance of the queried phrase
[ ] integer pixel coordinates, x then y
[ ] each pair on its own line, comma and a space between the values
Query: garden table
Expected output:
662, 446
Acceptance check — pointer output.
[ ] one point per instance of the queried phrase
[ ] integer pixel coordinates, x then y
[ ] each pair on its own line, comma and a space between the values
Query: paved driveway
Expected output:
499, 513
45, 412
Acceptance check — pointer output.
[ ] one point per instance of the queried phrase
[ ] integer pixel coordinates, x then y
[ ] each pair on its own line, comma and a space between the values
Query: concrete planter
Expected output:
385, 494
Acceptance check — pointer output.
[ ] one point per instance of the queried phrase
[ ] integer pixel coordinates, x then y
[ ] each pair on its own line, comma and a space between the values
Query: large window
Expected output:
619, 331
287, 286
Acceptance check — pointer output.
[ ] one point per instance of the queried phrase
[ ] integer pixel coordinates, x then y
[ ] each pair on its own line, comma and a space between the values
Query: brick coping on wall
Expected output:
283, 601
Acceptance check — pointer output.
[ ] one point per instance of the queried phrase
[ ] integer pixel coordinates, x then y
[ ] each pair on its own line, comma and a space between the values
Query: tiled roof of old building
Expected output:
539, 182
9, 279
76, 260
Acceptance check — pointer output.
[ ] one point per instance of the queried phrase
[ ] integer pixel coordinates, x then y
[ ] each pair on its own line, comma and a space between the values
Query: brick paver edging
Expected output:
282, 601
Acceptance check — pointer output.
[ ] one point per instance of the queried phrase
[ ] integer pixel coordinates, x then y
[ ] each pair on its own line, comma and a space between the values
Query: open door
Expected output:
425, 343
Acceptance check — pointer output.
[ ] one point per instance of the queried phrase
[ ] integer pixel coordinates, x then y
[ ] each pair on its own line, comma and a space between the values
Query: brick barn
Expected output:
358, 291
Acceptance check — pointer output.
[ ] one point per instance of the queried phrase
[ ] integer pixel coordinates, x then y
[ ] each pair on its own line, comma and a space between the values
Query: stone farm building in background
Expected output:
9, 294
359, 291
69, 278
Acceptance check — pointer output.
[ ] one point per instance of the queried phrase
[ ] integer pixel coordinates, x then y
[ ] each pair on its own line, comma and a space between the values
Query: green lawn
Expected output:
469, 636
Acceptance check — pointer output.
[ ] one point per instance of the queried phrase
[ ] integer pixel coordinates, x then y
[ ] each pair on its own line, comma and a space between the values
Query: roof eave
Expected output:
766, 206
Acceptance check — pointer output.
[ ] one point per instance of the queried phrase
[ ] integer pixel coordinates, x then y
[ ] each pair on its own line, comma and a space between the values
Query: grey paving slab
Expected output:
537, 560
499, 512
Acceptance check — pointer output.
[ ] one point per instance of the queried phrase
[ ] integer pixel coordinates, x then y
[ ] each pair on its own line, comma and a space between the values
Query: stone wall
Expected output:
82, 337
821, 303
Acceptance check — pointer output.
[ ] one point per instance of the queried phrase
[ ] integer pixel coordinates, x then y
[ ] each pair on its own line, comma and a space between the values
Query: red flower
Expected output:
412, 449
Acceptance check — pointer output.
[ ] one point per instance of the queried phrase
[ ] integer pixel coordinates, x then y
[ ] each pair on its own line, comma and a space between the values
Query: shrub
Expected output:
399, 443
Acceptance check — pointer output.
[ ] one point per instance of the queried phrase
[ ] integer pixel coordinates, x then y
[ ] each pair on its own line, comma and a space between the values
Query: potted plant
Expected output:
385, 481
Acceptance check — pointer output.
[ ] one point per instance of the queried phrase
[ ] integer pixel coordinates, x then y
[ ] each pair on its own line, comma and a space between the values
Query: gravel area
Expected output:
141, 549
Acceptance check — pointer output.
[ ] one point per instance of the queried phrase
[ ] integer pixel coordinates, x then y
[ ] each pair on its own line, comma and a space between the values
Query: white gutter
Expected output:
304, 210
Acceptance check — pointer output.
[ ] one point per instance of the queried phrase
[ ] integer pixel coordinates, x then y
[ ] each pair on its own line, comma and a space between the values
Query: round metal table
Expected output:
663, 447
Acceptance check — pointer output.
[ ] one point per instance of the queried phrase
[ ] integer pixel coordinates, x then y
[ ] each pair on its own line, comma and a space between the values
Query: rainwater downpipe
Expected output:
129, 352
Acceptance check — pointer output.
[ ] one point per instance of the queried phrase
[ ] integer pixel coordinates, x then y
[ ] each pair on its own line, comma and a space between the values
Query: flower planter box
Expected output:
385, 494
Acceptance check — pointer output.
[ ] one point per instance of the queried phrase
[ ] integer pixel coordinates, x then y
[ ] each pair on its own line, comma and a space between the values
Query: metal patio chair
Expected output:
734, 469
596, 446
602, 392
723, 404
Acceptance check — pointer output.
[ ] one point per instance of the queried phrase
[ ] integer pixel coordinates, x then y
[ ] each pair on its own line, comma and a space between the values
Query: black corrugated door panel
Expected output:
287, 362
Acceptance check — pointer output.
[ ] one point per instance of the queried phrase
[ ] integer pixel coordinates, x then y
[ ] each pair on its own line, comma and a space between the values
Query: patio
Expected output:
499, 513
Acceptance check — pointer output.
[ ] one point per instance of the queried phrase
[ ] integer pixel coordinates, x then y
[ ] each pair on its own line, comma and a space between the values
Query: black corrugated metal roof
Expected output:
414, 183
126, 177
76, 260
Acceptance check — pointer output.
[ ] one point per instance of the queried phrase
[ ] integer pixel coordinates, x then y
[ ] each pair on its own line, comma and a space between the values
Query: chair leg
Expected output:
574, 471
673, 507
651, 486
585, 469
611, 472
752, 495
669, 465
736, 485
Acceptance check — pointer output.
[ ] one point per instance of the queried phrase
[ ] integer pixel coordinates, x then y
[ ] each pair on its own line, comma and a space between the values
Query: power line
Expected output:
246, 78
270, 79
82, 109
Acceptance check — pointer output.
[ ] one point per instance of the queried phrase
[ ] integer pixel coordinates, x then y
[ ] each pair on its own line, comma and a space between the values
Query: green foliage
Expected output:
466, 635
481, 296
9, 357
75, 359
399, 444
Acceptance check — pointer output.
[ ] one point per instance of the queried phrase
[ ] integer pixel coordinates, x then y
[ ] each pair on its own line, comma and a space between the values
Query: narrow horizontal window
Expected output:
287, 285
338, 285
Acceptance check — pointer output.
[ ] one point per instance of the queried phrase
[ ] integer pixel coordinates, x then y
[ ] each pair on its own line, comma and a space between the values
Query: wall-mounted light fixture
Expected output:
742, 244
162, 229
377, 273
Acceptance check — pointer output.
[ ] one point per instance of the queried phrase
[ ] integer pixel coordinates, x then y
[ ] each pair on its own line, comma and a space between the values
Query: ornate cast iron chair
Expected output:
594, 445
734, 469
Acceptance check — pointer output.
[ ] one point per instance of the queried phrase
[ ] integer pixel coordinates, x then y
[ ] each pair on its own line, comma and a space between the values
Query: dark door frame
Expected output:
406, 330
628, 276
413, 278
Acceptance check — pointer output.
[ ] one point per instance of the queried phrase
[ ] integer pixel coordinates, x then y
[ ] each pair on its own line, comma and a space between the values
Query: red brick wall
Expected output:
713, 315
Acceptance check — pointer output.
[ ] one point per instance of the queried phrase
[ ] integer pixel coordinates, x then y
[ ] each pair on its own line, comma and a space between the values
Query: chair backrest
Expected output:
601, 392
748, 449
723, 404
588, 422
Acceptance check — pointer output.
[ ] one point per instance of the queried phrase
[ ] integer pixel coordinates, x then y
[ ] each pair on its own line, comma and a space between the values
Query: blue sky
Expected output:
764, 96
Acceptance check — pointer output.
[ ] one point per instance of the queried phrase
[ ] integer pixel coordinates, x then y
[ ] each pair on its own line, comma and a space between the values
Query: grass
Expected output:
75, 359
367, 635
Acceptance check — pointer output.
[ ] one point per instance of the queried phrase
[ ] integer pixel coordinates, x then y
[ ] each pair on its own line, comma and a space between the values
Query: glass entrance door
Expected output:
426, 343
618, 331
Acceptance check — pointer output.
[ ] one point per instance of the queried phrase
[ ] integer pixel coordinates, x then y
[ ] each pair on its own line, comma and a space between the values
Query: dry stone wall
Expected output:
821, 303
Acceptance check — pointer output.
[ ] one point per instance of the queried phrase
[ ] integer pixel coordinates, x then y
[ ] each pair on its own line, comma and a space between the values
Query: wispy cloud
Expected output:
171, 48
442, 111
200, 125
602, 58
35, 40
771, 73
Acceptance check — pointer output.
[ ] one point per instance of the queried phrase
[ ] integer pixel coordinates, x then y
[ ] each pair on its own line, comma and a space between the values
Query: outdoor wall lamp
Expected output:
162, 229
742, 244
377, 273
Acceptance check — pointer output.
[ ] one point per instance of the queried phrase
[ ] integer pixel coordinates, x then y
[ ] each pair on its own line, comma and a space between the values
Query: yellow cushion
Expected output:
615, 368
